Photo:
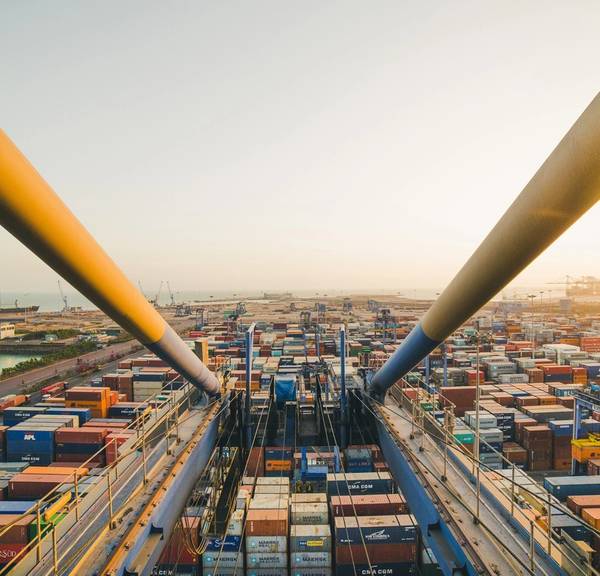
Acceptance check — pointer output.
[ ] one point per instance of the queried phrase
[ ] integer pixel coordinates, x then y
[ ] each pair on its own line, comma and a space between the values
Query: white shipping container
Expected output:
310, 538
314, 498
224, 559
310, 514
302, 571
242, 499
271, 489
236, 523
264, 572
272, 481
310, 560
266, 544
513, 379
269, 502
266, 560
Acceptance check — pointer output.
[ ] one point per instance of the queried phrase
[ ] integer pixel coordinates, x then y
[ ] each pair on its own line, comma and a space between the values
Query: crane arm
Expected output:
32, 212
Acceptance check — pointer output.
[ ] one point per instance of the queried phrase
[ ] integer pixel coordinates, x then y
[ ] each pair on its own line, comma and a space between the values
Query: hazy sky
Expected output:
314, 144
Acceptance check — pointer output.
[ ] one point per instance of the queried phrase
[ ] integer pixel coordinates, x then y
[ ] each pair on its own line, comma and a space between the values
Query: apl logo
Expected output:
29, 437
380, 535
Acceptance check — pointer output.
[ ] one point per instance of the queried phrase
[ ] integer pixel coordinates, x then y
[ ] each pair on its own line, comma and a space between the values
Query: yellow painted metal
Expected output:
566, 186
57, 506
32, 212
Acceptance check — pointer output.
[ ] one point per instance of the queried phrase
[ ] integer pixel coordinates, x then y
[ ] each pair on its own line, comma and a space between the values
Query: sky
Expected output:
294, 145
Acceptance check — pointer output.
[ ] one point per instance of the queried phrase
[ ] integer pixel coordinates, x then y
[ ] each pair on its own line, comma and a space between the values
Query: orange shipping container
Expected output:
278, 465
592, 517
267, 522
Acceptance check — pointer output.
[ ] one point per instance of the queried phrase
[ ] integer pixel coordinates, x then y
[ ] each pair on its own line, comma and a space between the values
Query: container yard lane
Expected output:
68, 368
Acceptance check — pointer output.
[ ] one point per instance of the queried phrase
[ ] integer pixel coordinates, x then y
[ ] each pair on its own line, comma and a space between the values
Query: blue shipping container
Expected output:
31, 434
228, 544
564, 486
34, 459
14, 506
84, 414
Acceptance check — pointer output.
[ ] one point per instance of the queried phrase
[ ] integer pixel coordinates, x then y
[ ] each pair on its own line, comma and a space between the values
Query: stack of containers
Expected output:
176, 557
310, 540
310, 517
389, 542
30, 442
556, 373
14, 540
225, 555
464, 436
562, 432
505, 418
358, 460
266, 534
79, 444
147, 383
278, 461
490, 447
537, 440
97, 400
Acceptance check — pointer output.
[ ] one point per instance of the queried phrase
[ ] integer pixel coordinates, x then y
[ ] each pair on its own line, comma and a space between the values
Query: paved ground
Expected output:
17, 383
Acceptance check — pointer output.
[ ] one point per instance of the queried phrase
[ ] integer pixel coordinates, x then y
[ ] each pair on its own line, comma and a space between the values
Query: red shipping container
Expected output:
112, 443
373, 505
33, 486
256, 462
375, 553
177, 550
9, 551
83, 435
18, 533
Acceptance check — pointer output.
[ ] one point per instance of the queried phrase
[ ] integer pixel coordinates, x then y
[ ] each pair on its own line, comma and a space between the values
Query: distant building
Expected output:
7, 331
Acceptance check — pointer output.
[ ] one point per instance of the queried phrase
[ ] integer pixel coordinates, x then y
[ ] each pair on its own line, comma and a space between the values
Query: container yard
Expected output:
299, 489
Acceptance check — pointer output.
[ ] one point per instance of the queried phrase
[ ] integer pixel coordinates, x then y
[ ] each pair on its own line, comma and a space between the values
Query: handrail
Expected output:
141, 440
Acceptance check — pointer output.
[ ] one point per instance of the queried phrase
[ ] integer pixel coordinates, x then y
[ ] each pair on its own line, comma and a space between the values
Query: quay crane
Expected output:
563, 189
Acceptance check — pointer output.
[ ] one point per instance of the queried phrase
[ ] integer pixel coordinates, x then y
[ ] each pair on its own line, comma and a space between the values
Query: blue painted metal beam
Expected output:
562, 190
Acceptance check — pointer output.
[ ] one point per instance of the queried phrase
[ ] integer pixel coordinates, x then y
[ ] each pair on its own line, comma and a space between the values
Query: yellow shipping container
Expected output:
584, 449
97, 409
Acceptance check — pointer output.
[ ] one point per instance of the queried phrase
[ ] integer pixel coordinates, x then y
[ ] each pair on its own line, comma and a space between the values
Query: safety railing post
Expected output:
76, 483
144, 455
446, 424
38, 545
176, 408
549, 524
532, 546
54, 551
422, 426
110, 500
512, 492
